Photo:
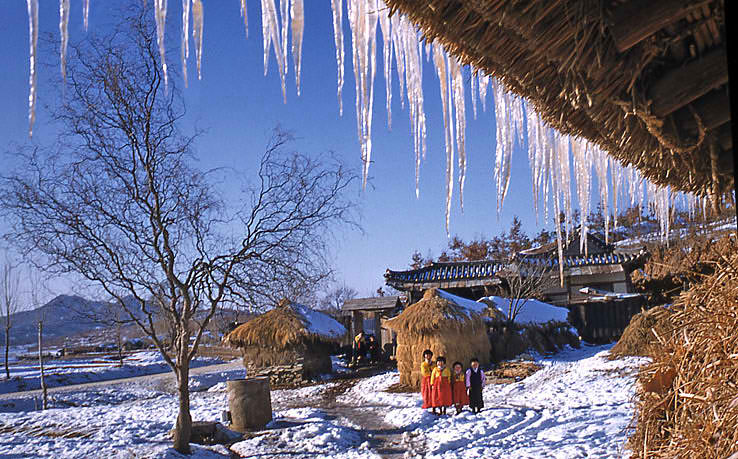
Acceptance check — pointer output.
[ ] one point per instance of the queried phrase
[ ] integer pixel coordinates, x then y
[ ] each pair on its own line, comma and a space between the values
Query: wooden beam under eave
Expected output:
639, 19
713, 110
687, 83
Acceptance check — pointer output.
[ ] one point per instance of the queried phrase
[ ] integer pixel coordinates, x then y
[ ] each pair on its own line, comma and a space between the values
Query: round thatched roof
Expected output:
436, 311
287, 324
646, 81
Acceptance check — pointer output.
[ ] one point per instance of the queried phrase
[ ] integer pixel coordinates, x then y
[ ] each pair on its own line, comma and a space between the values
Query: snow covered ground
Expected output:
578, 405
24, 375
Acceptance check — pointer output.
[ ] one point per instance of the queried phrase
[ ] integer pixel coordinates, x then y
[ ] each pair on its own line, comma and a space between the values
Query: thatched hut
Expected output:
446, 324
287, 335
645, 81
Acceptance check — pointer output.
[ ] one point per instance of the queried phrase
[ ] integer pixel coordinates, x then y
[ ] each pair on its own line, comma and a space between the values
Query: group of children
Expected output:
442, 388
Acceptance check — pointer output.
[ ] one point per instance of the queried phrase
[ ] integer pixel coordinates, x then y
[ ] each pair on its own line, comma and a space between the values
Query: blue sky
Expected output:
238, 107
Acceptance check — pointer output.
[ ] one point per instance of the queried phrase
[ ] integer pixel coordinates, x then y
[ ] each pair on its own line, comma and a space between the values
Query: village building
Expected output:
290, 343
601, 266
368, 315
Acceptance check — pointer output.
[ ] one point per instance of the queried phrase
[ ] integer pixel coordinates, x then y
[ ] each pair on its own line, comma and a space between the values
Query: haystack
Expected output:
288, 334
688, 395
641, 336
448, 325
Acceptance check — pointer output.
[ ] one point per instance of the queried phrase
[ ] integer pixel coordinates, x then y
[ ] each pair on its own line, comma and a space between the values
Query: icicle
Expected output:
244, 15
410, 71
483, 82
85, 12
160, 15
185, 49
337, 6
270, 26
297, 13
556, 196
504, 143
533, 158
284, 7
586, 200
363, 23
197, 23
601, 165
386, 27
398, 37
439, 59
474, 92
457, 87
616, 173
63, 31
32, 41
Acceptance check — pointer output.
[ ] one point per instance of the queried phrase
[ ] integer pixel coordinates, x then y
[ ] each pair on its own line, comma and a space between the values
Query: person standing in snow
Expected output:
441, 386
426, 368
475, 381
373, 348
359, 348
458, 391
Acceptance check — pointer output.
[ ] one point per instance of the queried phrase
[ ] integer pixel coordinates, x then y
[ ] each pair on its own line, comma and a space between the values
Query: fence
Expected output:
604, 321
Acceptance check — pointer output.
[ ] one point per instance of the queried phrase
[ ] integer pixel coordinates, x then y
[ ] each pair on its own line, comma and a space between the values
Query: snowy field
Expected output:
578, 405
24, 375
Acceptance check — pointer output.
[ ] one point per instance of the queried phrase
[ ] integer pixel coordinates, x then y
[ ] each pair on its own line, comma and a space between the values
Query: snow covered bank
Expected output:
78, 371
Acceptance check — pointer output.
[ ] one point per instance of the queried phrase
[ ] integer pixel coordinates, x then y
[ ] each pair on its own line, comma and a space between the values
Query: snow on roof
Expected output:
470, 306
318, 322
533, 312
597, 294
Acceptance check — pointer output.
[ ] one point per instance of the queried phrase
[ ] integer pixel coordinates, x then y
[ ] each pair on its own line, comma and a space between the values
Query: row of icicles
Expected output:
551, 155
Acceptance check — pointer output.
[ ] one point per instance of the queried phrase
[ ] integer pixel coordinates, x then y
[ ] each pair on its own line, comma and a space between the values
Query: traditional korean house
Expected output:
601, 266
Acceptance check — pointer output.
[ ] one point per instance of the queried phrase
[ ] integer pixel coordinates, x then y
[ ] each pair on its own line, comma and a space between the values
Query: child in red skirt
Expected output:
459, 387
426, 368
441, 384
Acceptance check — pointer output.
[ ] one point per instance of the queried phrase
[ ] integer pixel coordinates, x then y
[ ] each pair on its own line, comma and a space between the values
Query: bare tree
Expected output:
9, 290
524, 279
121, 204
334, 299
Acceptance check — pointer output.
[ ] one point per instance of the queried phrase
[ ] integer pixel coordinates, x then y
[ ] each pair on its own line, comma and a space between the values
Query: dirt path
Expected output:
134, 379
384, 439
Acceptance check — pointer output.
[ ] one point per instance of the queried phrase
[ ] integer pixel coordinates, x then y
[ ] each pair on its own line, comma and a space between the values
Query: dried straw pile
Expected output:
562, 56
442, 326
671, 270
281, 337
640, 336
688, 396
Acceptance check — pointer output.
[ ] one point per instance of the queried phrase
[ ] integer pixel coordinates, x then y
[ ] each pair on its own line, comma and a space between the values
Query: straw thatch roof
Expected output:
286, 325
646, 81
436, 311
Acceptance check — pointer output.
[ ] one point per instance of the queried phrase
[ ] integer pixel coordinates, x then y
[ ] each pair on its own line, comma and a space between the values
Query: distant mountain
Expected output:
63, 316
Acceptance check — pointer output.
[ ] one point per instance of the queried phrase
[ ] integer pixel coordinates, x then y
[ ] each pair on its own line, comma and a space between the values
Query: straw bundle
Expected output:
640, 336
282, 337
442, 326
562, 57
688, 396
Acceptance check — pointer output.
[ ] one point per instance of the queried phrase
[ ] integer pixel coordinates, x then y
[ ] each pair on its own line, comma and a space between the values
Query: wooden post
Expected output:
41, 364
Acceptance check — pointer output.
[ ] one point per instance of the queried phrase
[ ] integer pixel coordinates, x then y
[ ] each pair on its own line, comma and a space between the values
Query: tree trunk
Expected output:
183, 429
7, 346
41, 365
